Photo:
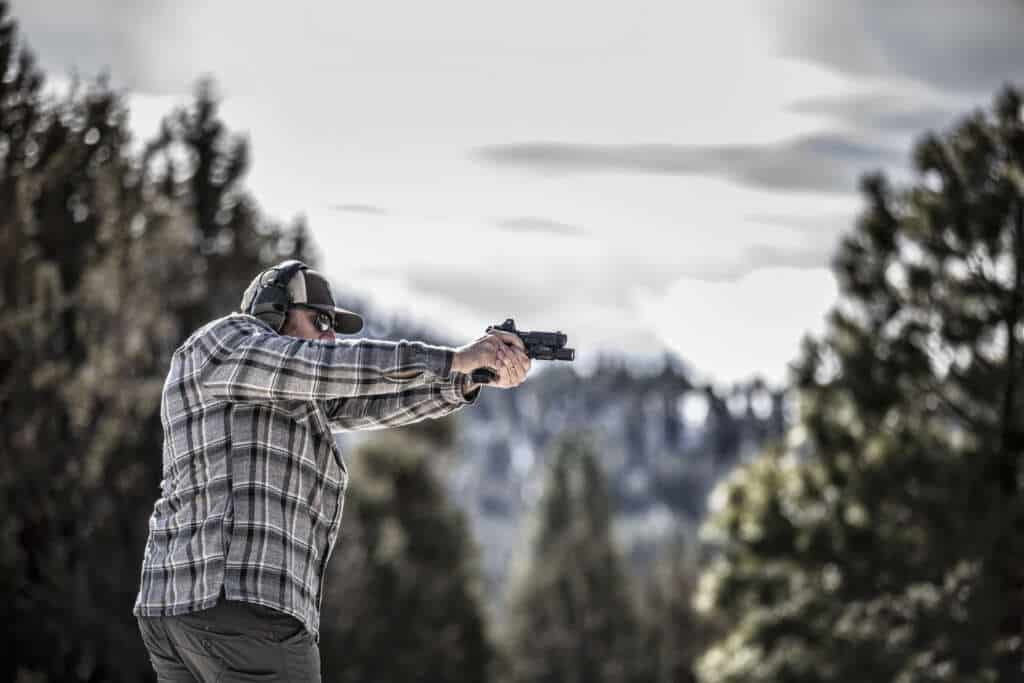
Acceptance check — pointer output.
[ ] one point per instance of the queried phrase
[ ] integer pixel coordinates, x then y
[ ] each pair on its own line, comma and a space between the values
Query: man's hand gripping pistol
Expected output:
539, 346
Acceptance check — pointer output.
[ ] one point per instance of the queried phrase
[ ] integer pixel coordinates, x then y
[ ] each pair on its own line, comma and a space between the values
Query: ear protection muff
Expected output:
271, 301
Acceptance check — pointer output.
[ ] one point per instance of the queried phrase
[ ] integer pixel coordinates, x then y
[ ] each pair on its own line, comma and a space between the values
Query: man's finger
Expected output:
510, 338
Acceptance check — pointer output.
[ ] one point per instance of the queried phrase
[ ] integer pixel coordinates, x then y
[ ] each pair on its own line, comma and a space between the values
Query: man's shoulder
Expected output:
227, 324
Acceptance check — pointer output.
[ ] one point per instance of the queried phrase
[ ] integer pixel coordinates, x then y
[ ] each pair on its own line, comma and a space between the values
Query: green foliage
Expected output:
883, 543
105, 270
871, 581
674, 634
571, 617
403, 599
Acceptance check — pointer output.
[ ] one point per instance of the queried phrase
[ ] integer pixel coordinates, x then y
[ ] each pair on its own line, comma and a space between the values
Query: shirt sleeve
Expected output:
378, 412
242, 359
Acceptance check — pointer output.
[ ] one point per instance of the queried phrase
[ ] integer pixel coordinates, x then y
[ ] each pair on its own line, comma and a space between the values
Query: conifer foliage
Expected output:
884, 544
403, 595
572, 617
105, 268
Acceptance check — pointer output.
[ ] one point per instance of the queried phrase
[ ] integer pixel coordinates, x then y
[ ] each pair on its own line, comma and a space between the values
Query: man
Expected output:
253, 482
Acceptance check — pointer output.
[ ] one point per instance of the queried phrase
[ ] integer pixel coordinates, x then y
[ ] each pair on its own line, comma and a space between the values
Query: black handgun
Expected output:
539, 345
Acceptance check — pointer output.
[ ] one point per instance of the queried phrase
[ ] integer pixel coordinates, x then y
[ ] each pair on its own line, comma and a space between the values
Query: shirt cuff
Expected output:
437, 359
453, 390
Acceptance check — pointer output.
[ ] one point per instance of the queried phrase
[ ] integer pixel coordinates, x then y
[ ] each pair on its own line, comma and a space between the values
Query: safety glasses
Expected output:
324, 321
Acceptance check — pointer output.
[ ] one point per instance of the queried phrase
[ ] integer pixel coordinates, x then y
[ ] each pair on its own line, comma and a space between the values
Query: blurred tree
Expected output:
202, 165
65, 410
674, 634
101, 275
571, 617
301, 244
403, 599
885, 544
20, 109
723, 430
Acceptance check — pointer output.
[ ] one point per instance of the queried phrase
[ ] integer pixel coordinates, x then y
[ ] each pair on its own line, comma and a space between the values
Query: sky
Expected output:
641, 176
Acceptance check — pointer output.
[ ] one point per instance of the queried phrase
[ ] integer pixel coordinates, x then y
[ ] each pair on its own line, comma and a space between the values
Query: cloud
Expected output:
826, 162
751, 326
364, 209
541, 225
482, 293
494, 288
773, 256
497, 292
138, 44
958, 46
884, 112
818, 240
498, 288
829, 224
760, 256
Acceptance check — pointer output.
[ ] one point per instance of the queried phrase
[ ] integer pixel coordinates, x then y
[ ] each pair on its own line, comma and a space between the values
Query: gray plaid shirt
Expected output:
253, 482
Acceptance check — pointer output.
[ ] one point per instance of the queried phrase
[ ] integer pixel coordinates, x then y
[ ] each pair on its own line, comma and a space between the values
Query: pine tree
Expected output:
231, 239
19, 112
100, 262
571, 616
674, 634
65, 410
403, 588
884, 544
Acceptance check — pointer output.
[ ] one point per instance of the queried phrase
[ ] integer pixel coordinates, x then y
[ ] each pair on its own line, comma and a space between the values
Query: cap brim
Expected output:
347, 322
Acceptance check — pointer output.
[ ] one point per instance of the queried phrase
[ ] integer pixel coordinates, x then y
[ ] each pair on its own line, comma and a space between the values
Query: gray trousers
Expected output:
232, 641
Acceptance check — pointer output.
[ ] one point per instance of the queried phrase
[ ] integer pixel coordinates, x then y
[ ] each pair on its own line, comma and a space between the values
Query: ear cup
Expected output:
272, 299
272, 314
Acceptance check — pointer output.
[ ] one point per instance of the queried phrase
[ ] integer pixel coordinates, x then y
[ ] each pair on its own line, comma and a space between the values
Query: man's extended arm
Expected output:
433, 400
241, 359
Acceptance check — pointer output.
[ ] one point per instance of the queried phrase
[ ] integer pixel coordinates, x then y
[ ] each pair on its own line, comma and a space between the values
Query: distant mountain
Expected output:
664, 443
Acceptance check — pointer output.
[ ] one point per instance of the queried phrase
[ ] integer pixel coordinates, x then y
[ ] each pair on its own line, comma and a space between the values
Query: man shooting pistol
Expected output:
537, 345
254, 481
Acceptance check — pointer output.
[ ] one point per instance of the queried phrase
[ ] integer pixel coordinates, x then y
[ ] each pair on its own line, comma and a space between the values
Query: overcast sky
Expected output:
639, 175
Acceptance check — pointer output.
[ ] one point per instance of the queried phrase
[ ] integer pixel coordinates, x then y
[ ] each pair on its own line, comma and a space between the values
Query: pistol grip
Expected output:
484, 376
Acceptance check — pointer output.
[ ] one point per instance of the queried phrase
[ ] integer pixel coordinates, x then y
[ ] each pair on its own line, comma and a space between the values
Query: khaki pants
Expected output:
232, 641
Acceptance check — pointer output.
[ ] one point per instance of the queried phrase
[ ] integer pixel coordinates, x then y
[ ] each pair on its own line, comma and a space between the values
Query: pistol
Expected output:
539, 346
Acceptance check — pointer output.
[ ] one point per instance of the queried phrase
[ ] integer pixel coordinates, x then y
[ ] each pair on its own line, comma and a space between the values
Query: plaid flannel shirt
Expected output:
253, 481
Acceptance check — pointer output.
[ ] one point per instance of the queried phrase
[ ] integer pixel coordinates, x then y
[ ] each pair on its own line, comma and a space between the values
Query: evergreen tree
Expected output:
20, 109
68, 395
402, 599
571, 617
101, 269
884, 545
674, 634
202, 166
723, 432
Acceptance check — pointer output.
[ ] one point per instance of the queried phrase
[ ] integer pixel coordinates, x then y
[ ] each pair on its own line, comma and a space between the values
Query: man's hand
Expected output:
500, 351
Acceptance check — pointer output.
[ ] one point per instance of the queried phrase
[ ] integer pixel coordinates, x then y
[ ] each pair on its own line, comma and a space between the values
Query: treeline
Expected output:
881, 541
109, 259
404, 595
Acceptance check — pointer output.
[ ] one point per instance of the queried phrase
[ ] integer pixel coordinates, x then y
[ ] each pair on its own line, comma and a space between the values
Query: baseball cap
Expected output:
309, 288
